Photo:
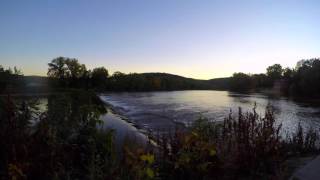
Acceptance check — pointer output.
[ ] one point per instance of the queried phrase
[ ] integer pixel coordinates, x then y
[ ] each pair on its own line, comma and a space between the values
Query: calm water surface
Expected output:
160, 111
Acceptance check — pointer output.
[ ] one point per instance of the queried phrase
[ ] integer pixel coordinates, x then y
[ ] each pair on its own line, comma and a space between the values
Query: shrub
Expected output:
243, 146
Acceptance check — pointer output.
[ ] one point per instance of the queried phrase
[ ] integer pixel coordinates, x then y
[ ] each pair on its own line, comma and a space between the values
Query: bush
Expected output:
245, 146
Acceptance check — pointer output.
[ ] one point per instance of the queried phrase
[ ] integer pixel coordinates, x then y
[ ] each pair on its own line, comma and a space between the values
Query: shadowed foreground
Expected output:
67, 141
309, 171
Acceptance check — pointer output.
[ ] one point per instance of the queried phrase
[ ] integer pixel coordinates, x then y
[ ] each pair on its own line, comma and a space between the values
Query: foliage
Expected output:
275, 72
137, 162
304, 80
240, 82
10, 80
246, 146
99, 77
57, 68
61, 143
69, 72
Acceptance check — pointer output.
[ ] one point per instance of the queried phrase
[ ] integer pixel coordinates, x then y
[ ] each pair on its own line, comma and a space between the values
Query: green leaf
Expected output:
212, 152
149, 172
195, 134
147, 157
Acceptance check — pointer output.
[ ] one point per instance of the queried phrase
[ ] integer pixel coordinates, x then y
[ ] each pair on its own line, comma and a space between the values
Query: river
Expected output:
161, 111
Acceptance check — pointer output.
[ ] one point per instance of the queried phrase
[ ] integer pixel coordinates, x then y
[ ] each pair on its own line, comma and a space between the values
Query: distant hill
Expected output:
179, 82
140, 82
162, 82
216, 83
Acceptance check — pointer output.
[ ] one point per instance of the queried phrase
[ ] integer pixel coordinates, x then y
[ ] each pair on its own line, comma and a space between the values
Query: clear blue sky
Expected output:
194, 38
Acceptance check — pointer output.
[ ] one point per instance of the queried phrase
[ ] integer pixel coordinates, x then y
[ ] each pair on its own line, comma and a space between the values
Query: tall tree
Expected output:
275, 71
99, 77
57, 68
307, 77
241, 82
74, 68
288, 73
68, 70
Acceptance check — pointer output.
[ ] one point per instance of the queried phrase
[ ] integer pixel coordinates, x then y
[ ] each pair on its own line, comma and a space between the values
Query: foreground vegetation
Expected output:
67, 141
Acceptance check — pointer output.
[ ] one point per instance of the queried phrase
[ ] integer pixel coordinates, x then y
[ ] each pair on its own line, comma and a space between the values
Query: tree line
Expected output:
69, 73
10, 79
64, 72
303, 80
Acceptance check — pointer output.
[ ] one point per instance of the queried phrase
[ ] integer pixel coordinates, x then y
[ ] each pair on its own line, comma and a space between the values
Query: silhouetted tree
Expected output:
288, 73
99, 77
306, 79
274, 72
75, 70
260, 81
69, 72
11, 80
241, 82
57, 68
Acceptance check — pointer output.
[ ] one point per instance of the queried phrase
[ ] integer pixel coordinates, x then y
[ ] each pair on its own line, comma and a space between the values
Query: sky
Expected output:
200, 39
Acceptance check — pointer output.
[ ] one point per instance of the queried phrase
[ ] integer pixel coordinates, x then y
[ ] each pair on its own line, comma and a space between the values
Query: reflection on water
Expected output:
160, 111
70, 110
